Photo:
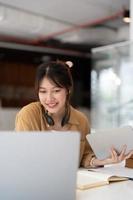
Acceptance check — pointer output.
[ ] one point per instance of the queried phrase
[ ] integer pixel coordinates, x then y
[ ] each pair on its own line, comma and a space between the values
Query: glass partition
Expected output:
112, 86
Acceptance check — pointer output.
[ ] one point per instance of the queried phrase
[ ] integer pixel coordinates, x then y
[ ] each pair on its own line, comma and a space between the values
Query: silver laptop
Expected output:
102, 140
38, 165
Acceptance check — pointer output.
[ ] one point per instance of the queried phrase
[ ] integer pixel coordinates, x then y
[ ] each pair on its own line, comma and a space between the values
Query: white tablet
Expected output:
102, 140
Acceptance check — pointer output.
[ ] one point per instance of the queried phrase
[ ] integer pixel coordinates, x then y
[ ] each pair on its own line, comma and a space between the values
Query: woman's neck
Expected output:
58, 121
57, 117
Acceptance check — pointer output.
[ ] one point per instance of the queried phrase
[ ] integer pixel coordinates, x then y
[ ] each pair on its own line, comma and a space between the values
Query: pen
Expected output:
131, 179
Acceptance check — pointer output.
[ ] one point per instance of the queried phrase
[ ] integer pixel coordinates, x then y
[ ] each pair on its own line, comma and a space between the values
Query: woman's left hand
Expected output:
116, 157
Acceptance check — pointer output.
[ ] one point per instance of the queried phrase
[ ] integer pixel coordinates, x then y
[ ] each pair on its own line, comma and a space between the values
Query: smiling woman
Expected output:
53, 111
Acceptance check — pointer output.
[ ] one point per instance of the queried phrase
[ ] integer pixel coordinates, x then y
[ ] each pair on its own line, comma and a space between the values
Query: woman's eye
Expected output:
42, 91
56, 91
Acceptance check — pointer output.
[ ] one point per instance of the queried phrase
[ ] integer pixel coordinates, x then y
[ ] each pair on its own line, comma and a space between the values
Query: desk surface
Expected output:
114, 191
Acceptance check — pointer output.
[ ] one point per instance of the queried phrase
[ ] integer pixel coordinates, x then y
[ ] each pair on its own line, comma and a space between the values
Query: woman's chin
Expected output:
52, 110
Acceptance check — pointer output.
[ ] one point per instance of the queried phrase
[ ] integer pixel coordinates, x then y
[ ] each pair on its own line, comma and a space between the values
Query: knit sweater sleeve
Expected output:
88, 153
28, 119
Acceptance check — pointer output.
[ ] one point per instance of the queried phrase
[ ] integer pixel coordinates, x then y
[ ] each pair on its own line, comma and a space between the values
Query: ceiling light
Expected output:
126, 16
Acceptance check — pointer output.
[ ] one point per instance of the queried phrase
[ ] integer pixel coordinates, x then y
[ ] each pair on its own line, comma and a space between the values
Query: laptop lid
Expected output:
102, 140
38, 165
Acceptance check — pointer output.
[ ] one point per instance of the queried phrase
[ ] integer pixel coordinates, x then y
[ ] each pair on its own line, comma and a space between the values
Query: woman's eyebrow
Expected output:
54, 87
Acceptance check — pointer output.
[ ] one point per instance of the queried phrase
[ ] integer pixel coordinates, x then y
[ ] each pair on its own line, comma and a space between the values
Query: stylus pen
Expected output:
131, 179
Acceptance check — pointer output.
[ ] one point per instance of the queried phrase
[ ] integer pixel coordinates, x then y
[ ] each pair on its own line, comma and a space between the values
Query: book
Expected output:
119, 169
89, 179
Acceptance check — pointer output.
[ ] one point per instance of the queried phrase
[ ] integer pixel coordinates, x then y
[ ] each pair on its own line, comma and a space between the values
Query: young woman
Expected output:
53, 112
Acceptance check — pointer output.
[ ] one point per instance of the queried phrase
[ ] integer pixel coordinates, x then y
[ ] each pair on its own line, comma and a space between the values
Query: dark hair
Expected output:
58, 72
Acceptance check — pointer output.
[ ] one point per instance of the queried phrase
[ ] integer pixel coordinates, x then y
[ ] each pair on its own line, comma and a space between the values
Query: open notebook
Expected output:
89, 179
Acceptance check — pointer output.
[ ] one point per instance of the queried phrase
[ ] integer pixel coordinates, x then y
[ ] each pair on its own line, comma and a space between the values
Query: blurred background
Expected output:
93, 35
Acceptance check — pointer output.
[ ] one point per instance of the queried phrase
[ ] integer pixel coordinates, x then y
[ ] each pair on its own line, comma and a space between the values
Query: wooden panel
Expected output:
13, 73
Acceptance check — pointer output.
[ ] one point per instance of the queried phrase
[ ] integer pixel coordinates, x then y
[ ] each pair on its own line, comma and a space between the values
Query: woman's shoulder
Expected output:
81, 120
79, 115
31, 108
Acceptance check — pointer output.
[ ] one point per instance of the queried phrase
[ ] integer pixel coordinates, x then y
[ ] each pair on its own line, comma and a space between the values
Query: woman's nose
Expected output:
49, 97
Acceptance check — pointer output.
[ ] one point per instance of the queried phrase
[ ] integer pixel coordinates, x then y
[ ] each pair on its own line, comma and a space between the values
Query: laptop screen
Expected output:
38, 165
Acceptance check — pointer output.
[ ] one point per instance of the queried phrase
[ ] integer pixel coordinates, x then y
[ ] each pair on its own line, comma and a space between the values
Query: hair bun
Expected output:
69, 63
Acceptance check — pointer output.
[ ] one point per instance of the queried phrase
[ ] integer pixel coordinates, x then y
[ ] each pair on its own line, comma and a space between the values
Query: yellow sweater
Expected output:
31, 118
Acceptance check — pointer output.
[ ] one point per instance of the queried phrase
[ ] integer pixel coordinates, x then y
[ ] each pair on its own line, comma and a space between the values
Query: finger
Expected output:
123, 150
114, 155
122, 154
112, 152
129, 154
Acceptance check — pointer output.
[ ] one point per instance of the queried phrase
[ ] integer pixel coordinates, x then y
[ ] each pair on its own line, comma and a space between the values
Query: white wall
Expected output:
7, 118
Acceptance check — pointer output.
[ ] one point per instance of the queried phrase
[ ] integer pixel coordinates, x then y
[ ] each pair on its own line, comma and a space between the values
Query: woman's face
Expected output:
52, 97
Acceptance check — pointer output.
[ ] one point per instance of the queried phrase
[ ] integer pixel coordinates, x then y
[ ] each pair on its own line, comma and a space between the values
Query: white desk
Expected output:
114, 191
